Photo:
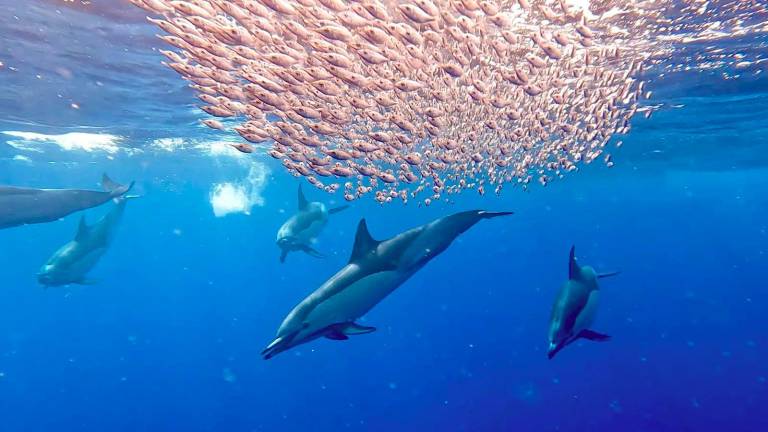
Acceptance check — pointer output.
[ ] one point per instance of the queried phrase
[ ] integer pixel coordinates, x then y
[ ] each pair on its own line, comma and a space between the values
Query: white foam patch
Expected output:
220, 148
89, 142
240, 197
21, 158
168, 144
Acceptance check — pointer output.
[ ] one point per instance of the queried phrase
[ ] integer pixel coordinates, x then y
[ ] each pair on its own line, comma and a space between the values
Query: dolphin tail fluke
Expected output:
338, 209
608, 274
114, 188
490, 215
594, 336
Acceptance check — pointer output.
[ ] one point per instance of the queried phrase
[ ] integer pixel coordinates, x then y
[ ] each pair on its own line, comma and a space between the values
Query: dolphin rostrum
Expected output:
301, 230
575, 307
21, 206
375, 269
72, 262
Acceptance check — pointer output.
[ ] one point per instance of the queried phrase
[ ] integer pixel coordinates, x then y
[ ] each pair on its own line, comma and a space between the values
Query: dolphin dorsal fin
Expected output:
82, 229
303, 203
364, 243
574, 271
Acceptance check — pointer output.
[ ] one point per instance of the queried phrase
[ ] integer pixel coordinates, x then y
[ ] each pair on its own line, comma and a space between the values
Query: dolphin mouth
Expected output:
273, 348
553, 349
278, 345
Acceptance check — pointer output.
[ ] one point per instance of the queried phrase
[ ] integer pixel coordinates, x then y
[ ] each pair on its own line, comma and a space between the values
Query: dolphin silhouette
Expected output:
375, 269
299, 232
22, 206
575, 307
72, 262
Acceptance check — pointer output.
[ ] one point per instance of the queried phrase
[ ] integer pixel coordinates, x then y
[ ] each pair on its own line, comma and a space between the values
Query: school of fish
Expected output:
417, 98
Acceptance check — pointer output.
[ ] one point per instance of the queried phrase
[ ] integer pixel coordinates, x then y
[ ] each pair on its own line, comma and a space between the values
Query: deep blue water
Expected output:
169, 338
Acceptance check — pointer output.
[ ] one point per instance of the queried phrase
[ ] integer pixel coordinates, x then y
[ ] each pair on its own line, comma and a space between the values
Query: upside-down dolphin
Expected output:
375, 269
575, 307
72, 262
21, 206
301, 229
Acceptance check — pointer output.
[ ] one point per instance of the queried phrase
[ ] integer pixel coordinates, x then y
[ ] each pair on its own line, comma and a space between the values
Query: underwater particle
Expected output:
177, 232
761, 379
392, 386
228, 376
74, 105
2, 374
527, 392
615, 406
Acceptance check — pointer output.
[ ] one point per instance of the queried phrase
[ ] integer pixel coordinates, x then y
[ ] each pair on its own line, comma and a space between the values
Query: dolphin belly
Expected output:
355, 300
587, 315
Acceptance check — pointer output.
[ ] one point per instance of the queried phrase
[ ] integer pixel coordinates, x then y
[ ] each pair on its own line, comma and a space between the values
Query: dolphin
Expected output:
575, 307
375, 269
22, 206
72, 262
301, 229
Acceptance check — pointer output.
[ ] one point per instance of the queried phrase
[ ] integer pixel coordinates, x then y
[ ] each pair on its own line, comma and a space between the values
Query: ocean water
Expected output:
169, 337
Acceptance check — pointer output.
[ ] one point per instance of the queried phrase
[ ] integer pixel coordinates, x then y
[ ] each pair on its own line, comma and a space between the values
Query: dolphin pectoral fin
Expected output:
357, 329
309, 250
345, 330
283, 255
338, 209
607, 274
336, 334
593, 336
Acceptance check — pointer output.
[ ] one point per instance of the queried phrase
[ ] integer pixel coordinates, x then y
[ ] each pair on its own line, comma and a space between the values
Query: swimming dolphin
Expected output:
375, 269
300, 231
575, 307
71, 263
21, 206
